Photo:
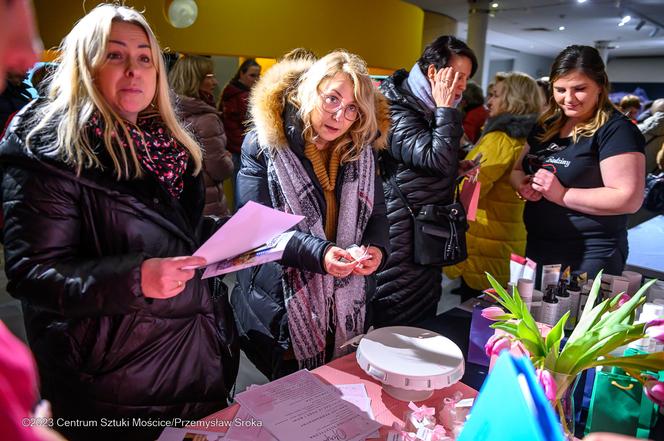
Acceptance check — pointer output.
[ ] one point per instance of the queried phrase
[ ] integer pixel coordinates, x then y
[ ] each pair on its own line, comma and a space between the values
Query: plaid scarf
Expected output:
311, 297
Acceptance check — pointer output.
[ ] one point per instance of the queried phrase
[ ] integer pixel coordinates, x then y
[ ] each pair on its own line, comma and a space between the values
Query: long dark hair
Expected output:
439, 52
585, 59
244, 67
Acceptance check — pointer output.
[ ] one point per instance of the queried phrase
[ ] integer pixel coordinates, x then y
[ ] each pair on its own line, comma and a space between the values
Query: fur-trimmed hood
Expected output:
516, 126
267, 103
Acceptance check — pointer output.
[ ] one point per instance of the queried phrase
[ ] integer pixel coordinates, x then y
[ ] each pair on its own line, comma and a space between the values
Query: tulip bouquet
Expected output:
601, 329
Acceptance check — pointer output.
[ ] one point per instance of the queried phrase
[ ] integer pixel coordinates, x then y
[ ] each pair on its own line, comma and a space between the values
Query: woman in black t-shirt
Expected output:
581, 172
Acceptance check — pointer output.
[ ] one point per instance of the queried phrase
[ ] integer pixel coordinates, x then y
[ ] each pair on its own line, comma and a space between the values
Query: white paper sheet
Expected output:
252, 226
300, 403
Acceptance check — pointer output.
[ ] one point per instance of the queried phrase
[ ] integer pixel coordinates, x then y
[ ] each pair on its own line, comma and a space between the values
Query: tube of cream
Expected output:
517, 263
550, 275
529, 270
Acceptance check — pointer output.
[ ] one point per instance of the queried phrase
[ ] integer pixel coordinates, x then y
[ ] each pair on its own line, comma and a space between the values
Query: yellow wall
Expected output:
386, 33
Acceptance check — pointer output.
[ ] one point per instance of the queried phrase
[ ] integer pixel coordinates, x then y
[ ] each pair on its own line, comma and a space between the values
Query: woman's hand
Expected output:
443, 86
468, 168
165, 278
526, 191
549, 186
369, 266
333, 264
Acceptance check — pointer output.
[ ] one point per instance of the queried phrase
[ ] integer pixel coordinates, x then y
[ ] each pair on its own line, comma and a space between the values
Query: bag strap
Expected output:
395, 186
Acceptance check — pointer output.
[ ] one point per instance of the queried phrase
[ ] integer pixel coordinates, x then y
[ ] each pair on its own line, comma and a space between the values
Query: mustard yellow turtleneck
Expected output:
326, 166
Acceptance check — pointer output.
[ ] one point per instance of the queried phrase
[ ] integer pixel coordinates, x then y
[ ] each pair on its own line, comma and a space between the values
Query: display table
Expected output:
386, 409
646, 253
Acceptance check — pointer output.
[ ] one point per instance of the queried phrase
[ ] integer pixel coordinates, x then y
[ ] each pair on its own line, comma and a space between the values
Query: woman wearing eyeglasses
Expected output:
192, 78
317, 127
581, 171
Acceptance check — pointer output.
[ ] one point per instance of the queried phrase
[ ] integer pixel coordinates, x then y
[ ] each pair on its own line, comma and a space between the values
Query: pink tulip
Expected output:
656, 332
654, 391
496, 344
548, 383
624, 298
492, 313
655, 329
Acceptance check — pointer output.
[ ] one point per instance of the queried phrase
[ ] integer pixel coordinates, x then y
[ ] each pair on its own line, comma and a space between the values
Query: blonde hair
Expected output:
306, 97
188, 73
74, 96
521, 95
629, 101
584, 59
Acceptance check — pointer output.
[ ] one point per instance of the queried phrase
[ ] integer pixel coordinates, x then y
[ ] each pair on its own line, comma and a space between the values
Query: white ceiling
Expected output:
584, 23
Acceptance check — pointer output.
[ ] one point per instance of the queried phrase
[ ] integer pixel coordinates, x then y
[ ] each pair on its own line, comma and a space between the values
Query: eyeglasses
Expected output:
332, 104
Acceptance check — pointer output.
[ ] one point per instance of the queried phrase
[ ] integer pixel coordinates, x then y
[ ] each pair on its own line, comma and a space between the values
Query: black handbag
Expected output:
653, 198
439, 232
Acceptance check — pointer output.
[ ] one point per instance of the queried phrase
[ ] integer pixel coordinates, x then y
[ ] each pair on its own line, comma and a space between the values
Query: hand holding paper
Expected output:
251, 237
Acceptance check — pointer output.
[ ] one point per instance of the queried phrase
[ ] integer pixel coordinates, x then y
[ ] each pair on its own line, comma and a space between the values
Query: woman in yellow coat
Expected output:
498, 229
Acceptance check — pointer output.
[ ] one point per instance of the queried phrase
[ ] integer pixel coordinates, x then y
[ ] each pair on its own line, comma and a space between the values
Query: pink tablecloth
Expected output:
386, 409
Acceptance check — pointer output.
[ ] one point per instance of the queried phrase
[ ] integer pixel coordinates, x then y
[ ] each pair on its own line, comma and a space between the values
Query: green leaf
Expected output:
592, 296
589, 320
505, 299
602, 341
640, 362
554, 336
510, 328
534, 338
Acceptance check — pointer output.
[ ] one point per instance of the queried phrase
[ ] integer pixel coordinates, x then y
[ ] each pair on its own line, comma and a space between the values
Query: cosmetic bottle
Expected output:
549, 310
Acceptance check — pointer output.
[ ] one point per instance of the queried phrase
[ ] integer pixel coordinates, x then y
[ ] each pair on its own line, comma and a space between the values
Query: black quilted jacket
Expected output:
74, 247
423, 158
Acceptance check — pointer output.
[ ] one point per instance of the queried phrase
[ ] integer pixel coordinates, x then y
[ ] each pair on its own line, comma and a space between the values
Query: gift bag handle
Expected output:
615, 383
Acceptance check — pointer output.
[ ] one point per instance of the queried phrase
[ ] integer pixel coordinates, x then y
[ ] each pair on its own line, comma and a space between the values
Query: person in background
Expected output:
474, 111
545, 92
14, 97
653, 130
103, 196
581, 171
423, 158
312, 152
498, 230
234, 106
630, 105
192, 78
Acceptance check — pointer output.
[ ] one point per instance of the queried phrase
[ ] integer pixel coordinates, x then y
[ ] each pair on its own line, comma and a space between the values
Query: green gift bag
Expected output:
619, 405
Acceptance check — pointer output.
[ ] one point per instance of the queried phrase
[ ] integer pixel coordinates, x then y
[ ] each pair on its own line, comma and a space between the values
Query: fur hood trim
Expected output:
516, 126
268, 100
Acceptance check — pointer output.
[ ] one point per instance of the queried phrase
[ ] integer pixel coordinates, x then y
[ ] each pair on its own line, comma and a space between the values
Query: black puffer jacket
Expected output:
258, 298
74, 248
423, 151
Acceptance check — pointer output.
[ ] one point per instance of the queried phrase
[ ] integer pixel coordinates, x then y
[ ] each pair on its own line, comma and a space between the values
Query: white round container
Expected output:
410, 362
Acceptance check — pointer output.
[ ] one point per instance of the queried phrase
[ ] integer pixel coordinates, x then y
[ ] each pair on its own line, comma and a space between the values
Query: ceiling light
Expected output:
182, 13
494, 5
561, 28
581, 1
624, 20
640, 25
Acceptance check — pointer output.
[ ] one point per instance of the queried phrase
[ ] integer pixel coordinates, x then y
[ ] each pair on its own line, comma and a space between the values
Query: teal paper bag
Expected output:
619, 405
511, 406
